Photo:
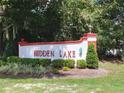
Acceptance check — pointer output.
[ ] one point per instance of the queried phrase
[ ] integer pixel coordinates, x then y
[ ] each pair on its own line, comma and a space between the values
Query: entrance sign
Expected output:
57, 50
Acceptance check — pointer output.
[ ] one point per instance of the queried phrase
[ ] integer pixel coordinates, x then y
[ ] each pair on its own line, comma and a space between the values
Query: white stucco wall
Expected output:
60, 51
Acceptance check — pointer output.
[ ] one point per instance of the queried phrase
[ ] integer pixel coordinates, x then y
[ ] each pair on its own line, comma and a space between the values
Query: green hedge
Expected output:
58, 63
81, 64
66, 68
92, 58
29, 61
69, 63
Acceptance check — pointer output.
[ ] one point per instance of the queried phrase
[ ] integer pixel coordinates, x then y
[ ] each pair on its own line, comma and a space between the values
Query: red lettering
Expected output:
73, 54
69, 54
43, 53
52, 53
60, 55
48, 53
35, 53
65, 55
39, 53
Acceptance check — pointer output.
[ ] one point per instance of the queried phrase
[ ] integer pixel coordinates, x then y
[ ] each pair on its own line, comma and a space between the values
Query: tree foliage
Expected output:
111, 28
58, 20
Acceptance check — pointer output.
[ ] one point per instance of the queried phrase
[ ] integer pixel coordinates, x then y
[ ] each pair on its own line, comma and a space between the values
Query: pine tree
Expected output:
92, 58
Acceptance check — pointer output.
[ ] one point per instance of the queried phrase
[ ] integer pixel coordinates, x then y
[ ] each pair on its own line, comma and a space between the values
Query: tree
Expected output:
2, 12
21, 15
58, 20
92, 58
73, 24
111, 28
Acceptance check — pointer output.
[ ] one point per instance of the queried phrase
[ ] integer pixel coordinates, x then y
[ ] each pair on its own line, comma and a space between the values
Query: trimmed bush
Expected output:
92, 58
55, 71
26, 61
66, 68
29, 61
44, 62
58, 63
69, 63
81, 64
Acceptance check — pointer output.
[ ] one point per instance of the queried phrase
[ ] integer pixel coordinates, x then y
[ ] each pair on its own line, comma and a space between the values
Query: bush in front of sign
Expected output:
55, 71
69, 63
29, 61
58, 63
44, 62
66, 69
81, 64
23, 61
92, 58
34, 62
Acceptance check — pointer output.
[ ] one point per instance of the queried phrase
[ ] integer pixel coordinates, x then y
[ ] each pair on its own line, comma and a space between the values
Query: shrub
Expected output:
92, 58
29, 61
4, 69
66, 68
14, 59
55, 71
2, 63
58, 63
44, 62
69, 63
25, 69
39, 69
14, 68
10, 68
81, 64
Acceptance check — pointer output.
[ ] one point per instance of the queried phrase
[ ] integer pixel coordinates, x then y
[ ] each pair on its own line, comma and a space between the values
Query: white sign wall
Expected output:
57, 50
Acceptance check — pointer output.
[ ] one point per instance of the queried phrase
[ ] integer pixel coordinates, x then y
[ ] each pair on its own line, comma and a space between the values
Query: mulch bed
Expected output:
73, 73
84, 73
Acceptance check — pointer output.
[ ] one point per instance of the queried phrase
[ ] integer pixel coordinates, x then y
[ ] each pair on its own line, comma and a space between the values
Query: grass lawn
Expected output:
113, 83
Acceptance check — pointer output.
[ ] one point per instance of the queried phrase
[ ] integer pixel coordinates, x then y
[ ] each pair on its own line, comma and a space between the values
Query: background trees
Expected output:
111, 28
58, 20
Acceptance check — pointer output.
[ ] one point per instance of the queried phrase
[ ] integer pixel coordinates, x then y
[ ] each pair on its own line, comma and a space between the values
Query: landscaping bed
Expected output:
72, 73
113, 82
84, 73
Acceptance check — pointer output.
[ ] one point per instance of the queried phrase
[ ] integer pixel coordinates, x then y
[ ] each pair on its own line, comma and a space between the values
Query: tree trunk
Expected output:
1, 40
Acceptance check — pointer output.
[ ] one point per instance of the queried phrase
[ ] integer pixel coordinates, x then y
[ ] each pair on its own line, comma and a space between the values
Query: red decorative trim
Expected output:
90, 35
49, 43
23, 43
